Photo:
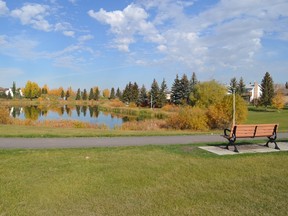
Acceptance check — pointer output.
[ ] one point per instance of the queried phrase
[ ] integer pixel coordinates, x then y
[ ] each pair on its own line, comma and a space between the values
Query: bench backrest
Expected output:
255, 130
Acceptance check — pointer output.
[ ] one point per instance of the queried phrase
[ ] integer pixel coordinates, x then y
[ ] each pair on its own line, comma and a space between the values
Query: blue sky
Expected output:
105, 43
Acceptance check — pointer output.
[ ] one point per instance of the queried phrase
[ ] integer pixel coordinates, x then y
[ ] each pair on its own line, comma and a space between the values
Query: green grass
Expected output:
262, 116
149, 180
41, 131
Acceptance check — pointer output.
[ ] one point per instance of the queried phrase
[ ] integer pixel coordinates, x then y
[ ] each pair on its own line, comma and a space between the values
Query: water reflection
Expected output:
89, 114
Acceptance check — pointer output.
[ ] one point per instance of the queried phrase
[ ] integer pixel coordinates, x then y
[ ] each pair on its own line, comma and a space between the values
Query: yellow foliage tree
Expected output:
106, 93
220, 115
207, 93
278, 100
32, 90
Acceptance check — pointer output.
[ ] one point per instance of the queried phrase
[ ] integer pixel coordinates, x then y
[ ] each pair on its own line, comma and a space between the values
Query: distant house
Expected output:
253, 91
6, 91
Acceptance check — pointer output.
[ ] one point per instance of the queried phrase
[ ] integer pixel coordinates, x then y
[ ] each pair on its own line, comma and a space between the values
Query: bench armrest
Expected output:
225, 132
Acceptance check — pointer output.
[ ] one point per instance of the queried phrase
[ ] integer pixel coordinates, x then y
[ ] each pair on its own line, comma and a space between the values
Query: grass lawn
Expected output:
262, 116
148, 180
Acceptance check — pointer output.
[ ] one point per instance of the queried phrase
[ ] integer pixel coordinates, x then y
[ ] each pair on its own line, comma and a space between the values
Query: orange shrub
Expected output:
188, 118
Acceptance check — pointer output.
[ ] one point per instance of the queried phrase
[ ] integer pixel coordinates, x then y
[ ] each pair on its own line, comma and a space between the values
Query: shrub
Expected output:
189, 118
220, 115
4, 116
116, 103
170, 108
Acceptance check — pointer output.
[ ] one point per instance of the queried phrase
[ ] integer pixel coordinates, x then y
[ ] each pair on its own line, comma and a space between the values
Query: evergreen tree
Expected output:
118, 93
78, 95
62, 94
241, 86
175, 91
154, 94
112, 94
135, 92
84, 95
67, 94
267, 90
14, 88
184, 89
192, 83
233, 85
286, 85
96, 94
162, 94
126, 97
143, 97
91, 94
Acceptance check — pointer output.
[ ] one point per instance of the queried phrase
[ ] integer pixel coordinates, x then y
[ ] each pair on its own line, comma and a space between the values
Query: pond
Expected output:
90, 114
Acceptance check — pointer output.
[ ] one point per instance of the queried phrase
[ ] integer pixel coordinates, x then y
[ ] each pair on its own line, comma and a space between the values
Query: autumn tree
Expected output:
278, 100
220, 114
267, 88
207, 93
106, 93
32, 90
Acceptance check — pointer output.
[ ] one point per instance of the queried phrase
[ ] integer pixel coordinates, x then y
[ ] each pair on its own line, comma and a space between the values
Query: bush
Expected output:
189, 118
4, 116
220, 115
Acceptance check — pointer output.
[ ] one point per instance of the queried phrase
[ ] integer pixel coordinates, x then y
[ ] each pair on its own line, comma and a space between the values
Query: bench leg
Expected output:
272, 141
232, 142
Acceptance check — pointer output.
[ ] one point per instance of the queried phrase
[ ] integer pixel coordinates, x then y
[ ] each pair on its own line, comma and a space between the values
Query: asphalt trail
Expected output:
47, 143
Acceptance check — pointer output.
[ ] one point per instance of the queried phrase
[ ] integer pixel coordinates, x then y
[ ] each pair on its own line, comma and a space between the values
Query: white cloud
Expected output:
3, 8
84, 38
69, 33
34, 15
73, 2
126, 24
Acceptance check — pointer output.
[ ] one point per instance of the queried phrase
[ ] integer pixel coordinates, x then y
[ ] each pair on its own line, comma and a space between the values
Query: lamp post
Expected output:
234, 106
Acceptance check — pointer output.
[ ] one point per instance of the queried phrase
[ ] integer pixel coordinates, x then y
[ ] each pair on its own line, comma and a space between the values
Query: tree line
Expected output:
184, 91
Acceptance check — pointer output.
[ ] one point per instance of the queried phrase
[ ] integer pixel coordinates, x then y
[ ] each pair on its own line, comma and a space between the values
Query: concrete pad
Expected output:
244, 149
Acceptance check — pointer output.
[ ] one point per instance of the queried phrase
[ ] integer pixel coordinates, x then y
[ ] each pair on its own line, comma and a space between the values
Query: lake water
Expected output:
89, 114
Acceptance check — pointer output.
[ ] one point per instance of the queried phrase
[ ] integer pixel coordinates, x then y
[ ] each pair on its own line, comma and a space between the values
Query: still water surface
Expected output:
89, 114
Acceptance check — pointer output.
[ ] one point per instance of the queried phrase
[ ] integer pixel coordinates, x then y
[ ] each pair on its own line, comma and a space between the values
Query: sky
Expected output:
108, 43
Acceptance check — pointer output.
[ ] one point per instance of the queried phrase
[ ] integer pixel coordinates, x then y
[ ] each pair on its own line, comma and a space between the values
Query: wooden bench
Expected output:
251, 131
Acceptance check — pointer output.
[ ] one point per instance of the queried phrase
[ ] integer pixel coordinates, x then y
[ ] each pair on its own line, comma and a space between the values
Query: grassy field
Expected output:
149, 180
269, 116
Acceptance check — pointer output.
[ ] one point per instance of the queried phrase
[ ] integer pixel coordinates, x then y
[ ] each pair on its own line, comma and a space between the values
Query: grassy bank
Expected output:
150, 180
41, 131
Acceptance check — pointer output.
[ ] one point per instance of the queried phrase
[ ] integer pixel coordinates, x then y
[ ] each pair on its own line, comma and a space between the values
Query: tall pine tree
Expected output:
162, 94
112, 94
78, 95
175, 91
267, 88
91, 94
143, 97
154, 94
241, 86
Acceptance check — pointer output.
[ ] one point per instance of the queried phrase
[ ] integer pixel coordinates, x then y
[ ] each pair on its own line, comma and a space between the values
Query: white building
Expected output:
254, 91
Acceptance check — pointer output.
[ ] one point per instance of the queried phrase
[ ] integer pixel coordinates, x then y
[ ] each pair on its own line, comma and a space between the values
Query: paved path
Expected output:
38, 143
